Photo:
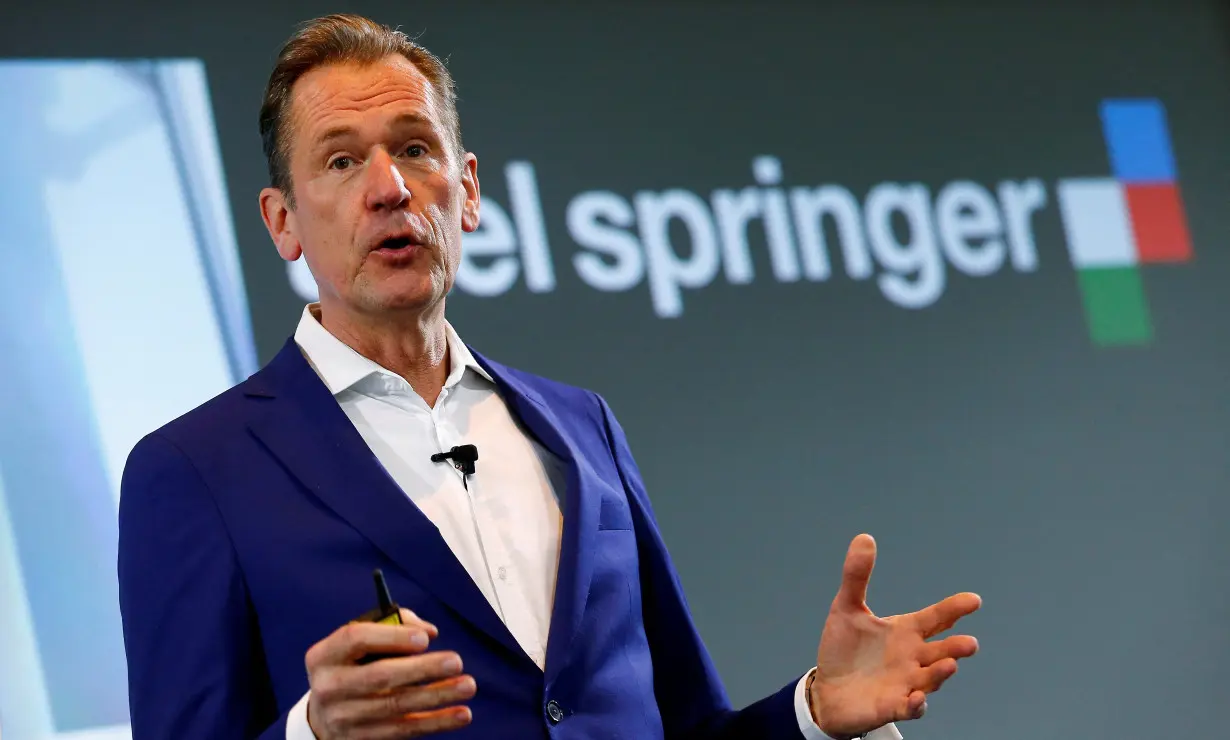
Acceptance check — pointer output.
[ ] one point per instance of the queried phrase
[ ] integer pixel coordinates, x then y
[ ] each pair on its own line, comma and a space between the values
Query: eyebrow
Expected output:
404, 120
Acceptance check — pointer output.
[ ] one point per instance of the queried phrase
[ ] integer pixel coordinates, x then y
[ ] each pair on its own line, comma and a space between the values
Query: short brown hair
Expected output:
337, 39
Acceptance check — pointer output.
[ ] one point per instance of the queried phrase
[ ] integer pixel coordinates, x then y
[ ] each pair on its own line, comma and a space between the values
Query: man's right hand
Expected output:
410, 695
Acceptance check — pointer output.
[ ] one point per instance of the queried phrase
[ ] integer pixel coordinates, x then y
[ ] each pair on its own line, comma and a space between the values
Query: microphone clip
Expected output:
463, 458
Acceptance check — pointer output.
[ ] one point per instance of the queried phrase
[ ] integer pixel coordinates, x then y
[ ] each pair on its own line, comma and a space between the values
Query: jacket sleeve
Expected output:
195, 662
690, 695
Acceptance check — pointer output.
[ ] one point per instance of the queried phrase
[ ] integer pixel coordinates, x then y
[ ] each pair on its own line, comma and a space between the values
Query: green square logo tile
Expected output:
1115, 306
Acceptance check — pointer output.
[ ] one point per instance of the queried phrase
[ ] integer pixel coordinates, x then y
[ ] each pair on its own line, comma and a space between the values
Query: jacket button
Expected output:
554, 711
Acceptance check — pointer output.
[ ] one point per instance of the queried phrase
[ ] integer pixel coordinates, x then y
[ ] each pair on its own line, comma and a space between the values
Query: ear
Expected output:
469, 180
280, 221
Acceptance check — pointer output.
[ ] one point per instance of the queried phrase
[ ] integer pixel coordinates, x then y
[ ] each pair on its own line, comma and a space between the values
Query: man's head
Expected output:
369, 180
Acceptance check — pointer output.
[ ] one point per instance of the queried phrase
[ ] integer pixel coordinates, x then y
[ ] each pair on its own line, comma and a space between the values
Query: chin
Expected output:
403, 300
401, 292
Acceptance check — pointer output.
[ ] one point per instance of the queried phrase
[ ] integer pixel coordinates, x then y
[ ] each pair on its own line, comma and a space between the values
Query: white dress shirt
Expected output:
504, 524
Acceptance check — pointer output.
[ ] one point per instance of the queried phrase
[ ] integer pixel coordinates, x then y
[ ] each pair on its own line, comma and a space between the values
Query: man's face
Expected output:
381, 199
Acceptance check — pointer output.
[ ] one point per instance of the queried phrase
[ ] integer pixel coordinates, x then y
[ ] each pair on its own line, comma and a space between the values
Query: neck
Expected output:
412, 344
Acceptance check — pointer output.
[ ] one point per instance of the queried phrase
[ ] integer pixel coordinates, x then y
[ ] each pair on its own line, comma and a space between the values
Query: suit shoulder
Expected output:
211, 423
559, 396
550, 389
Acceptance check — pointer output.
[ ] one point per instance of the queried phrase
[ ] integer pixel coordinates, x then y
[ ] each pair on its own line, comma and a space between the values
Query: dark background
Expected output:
986, 441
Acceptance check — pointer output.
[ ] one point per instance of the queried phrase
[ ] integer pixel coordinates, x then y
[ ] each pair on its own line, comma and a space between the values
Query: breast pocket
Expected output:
614, 513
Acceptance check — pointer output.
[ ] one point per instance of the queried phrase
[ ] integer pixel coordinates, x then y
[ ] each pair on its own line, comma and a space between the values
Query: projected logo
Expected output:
909, 238
1114, 225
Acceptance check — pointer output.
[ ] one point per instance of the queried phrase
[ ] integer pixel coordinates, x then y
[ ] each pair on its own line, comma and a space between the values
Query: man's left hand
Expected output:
874, 670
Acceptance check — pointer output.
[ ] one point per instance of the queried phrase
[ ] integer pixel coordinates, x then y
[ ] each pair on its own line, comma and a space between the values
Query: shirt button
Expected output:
555, 712
502, 573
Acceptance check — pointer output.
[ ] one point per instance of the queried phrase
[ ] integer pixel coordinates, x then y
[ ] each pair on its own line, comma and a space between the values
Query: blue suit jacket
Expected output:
250, 526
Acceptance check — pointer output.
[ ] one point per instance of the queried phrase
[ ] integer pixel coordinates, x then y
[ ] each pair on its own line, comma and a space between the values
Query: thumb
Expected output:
409, 618
856, 573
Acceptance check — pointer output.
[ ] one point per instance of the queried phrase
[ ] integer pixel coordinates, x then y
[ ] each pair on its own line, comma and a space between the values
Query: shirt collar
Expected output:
340, 367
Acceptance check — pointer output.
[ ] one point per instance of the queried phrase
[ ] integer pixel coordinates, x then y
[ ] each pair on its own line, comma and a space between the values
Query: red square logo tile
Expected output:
1158, 223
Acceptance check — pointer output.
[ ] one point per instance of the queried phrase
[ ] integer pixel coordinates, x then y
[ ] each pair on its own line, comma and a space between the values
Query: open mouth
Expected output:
395, 243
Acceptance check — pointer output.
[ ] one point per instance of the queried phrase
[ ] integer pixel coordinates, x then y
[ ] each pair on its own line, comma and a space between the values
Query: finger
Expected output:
912, 706
419, 724
931, 678
856, 573
943, 615
395, 673
410, 618
439, 720
957, 646
437, 695
396, 704
352, 641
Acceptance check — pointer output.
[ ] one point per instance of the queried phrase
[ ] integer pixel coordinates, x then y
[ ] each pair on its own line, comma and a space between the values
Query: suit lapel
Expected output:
580, 506
305, 428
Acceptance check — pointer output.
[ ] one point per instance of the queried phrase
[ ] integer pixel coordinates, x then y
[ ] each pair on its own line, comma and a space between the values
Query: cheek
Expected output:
446, 237
442, 190
443, 208
326, 243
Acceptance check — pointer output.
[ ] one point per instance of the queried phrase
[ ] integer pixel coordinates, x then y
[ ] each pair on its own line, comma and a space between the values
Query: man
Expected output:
250, 526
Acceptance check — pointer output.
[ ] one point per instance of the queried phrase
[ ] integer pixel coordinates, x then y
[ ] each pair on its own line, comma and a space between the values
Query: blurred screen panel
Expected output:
123, 307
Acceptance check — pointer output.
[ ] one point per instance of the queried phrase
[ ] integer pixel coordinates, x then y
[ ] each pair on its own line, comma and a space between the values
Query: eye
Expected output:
415, 150
341, 163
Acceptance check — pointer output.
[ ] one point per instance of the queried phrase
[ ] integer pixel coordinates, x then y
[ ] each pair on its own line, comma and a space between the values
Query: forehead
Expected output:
359, 95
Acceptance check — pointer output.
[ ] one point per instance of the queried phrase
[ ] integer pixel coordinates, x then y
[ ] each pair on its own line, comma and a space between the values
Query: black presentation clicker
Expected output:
386, 612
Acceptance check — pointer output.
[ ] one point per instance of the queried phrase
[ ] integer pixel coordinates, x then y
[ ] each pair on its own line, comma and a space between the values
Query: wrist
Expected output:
813, 706
310, 720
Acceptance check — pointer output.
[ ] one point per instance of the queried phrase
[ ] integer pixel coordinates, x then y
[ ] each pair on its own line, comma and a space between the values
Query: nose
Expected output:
386, 188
